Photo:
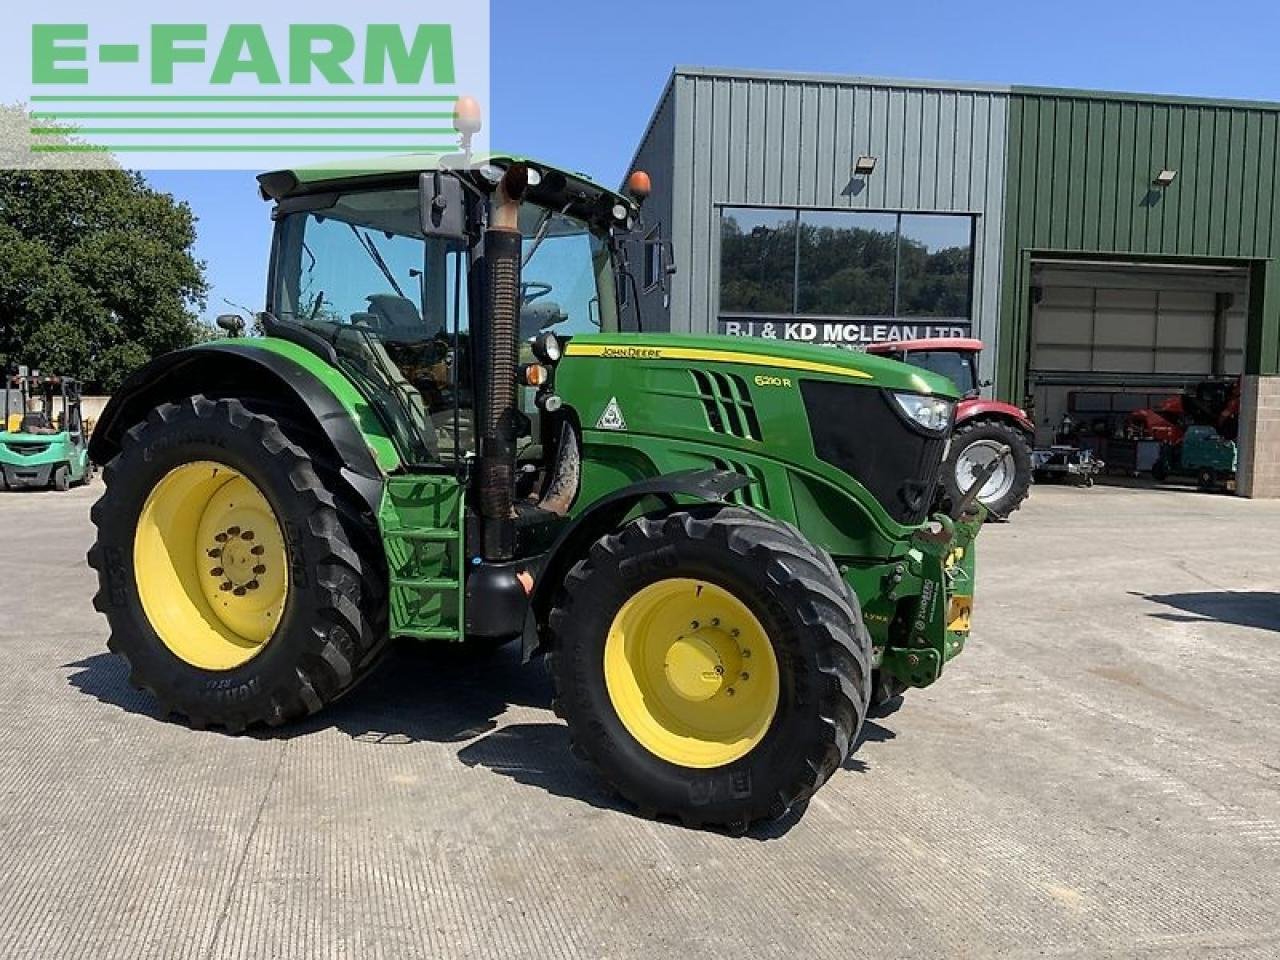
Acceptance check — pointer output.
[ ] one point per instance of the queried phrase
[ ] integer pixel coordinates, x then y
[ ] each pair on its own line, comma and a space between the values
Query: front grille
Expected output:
727, 404
857, 430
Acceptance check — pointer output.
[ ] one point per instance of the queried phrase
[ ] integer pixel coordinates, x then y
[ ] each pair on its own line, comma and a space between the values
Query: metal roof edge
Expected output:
1172, 99
785, 76
667, 90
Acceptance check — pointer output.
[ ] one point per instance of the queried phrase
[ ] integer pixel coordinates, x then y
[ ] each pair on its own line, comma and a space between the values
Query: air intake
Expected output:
727, 404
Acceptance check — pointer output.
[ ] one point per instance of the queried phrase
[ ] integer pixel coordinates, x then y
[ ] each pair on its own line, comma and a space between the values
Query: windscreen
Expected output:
567, 278
955, 365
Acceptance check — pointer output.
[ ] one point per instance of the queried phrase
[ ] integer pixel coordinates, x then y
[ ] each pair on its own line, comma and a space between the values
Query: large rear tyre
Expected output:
711, 664
973, 446
240, 586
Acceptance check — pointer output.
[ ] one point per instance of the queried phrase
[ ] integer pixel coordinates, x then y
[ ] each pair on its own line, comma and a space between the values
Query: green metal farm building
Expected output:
1109, 248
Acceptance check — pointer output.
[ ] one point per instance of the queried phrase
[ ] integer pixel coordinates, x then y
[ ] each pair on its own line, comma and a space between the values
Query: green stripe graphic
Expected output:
264, 131
239, 115
263, 98
236, 148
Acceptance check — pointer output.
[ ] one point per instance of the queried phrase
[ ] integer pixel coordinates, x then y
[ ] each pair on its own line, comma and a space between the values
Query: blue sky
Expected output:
575, 82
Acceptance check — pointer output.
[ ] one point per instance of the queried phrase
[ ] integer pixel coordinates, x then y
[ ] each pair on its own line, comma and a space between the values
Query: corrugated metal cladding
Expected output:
1081, 172
791, 140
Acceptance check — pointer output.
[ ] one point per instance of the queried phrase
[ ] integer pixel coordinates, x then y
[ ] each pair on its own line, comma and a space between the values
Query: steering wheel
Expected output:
531, 290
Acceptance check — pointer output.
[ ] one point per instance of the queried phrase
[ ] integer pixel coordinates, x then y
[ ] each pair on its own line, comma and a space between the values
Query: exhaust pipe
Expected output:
497, 454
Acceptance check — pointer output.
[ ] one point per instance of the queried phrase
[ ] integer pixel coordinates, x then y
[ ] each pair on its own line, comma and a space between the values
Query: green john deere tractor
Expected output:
724, 548
43, 442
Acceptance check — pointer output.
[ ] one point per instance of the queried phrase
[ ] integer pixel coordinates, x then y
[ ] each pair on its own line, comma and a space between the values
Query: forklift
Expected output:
43, 443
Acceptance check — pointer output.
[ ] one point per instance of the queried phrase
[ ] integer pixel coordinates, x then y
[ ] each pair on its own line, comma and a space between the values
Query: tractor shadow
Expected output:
434, 694
419, 694
416, 694
539, 755
1257, 609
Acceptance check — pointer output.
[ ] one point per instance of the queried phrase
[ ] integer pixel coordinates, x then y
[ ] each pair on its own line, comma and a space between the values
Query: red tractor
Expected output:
985, 429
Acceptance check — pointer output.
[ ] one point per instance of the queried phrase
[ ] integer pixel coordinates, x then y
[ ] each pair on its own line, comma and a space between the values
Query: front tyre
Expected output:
973, 446
711, 664
239, 587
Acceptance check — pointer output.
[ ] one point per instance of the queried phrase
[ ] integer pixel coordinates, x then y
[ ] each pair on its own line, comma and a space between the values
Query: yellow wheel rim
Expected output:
691, 673
211, 565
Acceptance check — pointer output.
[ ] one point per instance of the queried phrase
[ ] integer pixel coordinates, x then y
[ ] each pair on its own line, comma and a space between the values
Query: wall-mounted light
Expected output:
1165, 177
864, 166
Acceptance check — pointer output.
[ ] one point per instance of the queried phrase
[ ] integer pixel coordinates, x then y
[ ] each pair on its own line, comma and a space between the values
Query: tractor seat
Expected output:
36, 423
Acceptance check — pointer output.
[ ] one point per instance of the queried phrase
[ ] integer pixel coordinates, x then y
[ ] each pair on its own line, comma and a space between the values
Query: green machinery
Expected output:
1203, 453
456, 430
43, 442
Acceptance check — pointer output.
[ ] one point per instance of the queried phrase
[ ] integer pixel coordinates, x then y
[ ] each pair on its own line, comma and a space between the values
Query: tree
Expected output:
97, 274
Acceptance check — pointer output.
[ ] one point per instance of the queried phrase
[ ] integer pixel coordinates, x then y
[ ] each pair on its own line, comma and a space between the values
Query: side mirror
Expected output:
232, 323
443, 206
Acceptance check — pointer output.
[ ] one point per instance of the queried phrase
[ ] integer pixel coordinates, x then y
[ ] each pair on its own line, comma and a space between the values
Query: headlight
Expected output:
547, 347
931, 413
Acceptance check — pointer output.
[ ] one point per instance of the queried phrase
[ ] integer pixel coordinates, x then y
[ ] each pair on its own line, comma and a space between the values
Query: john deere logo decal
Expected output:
612, 418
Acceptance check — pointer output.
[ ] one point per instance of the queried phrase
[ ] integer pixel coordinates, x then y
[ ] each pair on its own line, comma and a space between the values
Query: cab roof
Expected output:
362, 173
949, 344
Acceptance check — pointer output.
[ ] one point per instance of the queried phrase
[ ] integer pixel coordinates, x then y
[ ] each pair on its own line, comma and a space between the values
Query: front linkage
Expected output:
939, 572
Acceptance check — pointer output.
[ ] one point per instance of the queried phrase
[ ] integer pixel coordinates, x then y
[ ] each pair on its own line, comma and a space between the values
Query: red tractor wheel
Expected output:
974, 445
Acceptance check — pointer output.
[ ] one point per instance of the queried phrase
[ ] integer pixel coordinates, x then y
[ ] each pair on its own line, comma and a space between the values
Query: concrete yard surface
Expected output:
1097, 776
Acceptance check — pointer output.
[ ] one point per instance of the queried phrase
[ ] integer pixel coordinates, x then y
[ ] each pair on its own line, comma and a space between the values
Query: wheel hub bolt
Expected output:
216, 572
259, 570
745, 676
247, 535
258, 550
233, 531
729, 691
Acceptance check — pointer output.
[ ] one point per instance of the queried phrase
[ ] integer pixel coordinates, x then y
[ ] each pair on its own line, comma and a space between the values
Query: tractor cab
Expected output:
392, 291
955, 358
43, 443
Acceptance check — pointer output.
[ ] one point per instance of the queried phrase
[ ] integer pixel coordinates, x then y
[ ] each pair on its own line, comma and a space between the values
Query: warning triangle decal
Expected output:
612, 418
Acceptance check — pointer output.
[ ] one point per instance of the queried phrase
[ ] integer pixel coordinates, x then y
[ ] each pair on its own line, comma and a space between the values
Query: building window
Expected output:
757, 261
935, 266
845, 263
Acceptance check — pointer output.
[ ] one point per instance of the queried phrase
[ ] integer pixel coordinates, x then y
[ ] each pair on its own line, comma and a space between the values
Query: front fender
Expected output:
994, 410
